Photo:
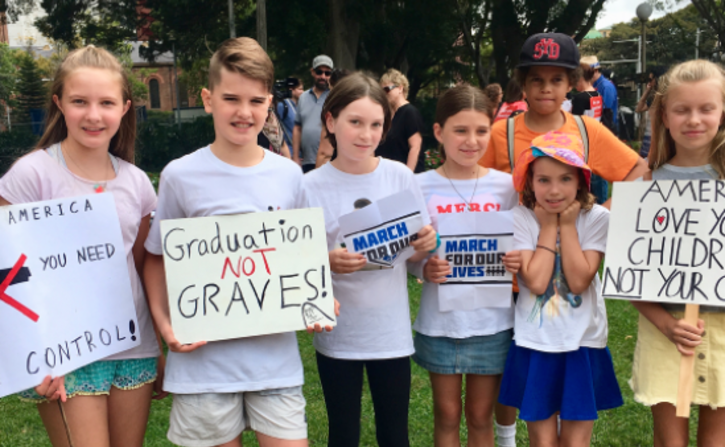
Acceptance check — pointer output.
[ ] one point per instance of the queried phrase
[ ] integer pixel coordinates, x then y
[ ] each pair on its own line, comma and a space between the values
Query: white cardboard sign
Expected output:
474, 245
667, 242
248, 274
382, 231
65, 293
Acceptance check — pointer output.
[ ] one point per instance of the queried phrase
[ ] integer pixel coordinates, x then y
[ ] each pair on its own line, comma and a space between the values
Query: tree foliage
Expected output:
31, 90
671, 39
431, 41
106, 23
8, 73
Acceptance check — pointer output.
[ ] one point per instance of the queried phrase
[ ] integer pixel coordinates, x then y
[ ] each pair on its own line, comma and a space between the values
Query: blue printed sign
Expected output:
474, 245
382, 231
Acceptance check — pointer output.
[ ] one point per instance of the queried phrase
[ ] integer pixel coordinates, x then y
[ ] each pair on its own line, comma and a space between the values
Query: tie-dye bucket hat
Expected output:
563, 147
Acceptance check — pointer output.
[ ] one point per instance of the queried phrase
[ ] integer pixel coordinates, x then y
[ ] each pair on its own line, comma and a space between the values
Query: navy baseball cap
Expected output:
552, 49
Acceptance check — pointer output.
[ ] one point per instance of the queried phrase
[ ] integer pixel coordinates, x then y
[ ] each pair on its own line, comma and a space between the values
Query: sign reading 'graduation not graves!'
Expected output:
474, 245
382, 231
667, 242
65, 293
247, 274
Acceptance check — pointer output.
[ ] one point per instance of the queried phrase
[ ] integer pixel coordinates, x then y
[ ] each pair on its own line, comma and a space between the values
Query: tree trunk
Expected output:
262, 23
343, 37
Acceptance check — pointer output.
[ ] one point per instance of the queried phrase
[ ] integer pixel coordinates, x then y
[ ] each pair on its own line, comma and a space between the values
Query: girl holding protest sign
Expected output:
687, 144
87, 147
453, 343
373, 330
559, 363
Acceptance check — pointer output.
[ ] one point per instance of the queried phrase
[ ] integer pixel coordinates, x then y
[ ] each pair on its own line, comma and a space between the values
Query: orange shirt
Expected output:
609, 158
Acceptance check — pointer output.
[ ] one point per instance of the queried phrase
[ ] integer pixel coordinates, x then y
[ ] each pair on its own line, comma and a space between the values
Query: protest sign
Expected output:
666, 242
474, 245
65, 293
382, 231
248, 274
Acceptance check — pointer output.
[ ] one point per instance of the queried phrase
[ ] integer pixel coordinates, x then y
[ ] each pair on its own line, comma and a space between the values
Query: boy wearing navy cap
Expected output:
546, 72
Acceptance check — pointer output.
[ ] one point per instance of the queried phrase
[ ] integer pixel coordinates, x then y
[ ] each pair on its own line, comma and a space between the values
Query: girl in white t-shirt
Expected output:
559, 363
475, 342
373, 330
88, 147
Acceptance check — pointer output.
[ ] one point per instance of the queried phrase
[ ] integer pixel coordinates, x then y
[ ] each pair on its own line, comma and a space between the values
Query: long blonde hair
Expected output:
663, 149
122, 144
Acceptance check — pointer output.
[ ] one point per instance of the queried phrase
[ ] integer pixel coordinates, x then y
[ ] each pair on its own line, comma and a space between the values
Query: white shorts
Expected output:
210, 419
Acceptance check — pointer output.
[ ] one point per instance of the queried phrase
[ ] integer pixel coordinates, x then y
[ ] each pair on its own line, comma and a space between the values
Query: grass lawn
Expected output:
627, 426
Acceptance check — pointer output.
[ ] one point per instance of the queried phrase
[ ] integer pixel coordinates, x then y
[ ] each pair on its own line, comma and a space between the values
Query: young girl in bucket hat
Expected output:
559, 363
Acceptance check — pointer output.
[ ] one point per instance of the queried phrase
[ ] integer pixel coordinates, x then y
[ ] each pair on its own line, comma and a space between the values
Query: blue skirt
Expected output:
576, 384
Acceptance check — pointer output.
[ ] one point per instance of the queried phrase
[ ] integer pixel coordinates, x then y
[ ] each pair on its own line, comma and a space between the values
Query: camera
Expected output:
281, 91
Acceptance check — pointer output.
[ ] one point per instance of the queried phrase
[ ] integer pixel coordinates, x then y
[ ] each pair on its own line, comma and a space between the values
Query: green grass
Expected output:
629, 425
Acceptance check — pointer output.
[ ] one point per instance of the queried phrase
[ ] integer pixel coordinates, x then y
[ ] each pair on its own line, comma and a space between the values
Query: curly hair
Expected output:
397, 78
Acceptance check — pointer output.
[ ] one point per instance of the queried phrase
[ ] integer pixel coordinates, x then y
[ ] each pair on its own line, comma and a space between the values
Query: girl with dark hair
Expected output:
373, 331
457, 343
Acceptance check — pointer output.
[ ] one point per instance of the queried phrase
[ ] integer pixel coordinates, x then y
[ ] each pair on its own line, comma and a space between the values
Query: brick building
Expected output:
159, 78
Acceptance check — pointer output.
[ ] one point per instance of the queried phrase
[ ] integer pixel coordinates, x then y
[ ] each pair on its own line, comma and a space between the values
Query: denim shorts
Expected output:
98, 377
485, 355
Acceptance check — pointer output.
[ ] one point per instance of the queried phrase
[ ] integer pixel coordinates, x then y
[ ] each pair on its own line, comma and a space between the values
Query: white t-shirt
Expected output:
495, 192
374, 321
42, 175
200, 184
561, 322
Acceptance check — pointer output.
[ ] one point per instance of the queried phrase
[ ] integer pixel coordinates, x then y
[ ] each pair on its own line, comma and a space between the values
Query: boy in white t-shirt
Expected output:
222, 387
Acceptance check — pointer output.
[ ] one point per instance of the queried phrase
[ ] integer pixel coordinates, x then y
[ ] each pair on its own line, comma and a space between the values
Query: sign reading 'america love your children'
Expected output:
247, 275
667, 242
474, 245
65, 293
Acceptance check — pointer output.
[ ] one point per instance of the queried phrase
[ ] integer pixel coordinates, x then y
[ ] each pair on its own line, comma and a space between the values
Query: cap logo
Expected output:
546, 47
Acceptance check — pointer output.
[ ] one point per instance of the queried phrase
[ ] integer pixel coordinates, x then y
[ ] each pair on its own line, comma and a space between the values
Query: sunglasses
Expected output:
321, 72
388, 88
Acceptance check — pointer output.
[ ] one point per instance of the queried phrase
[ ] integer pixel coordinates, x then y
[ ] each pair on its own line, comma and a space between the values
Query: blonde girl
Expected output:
87, 147
463, 344
687, 144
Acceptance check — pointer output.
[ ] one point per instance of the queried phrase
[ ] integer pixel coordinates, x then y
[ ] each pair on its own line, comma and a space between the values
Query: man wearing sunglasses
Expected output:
308, 126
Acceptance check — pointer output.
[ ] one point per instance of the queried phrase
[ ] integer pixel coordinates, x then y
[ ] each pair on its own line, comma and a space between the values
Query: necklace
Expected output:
99, 187
475, 186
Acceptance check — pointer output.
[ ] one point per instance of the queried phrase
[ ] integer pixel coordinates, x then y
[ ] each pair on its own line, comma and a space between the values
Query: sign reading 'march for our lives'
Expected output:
65, 293
248, 274
667, 242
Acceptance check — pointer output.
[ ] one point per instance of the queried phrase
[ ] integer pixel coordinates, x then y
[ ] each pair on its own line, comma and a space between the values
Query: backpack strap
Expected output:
510, 140
584, 134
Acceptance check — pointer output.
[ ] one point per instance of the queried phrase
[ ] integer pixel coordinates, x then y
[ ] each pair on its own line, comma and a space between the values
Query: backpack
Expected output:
510, 138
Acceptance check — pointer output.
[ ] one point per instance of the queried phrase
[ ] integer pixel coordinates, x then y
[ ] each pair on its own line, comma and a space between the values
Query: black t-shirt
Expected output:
581, 102
406, 123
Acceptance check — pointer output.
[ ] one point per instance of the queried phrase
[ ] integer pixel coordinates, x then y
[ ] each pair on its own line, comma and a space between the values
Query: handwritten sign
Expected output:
382, 231
667, 242
65, 293
474, 245
248, 274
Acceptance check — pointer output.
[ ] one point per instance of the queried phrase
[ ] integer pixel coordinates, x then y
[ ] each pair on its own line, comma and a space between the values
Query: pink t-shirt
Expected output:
42, 175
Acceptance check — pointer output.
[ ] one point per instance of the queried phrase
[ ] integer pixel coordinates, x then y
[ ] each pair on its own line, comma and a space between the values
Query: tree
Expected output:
75, 23
672, 40
714, 14
512, 21
31, 91
8, 74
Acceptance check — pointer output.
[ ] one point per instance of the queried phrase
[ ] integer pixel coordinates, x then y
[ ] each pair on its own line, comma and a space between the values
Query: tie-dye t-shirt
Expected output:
558, 320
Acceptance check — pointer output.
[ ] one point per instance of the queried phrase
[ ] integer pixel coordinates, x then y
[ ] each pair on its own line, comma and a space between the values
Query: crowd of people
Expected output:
542, 354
